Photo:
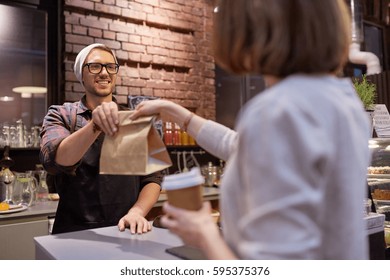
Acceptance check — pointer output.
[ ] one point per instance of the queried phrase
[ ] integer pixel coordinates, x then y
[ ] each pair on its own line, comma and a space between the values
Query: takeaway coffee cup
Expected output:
184, 190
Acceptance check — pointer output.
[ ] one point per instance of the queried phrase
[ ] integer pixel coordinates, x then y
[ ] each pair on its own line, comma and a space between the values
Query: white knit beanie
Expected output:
80, 59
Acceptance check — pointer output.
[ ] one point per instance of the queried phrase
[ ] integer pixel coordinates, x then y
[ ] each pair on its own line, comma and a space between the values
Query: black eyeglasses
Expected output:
96, 68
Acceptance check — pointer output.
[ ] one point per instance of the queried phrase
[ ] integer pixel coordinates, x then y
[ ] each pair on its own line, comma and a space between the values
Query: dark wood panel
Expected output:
382, 82
25, 158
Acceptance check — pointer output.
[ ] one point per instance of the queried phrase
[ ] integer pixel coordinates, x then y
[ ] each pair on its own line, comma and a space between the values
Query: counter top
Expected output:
48, 208
107, 244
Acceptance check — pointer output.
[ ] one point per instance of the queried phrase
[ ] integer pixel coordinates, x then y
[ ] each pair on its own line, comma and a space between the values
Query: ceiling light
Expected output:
6, 99
28, 91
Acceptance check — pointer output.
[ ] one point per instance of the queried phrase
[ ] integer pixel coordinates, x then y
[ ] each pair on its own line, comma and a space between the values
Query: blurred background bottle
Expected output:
43, 189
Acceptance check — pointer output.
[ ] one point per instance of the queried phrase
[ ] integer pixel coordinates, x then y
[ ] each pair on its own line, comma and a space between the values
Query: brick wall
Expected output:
163, 48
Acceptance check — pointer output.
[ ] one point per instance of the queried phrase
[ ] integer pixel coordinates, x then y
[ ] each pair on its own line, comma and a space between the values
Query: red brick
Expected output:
134, 56
145, 73
171, 6
144, 31
179, 77
122, 3
133, 47
181, 2
158, 84
132, 72
80, 4
72, 18
78, 39
110, 43
121, 97
120, 26
159, 59
168, 76
147, 91
137, 83
148, 2
159, 93
109, 35
145, 58
134, 90
136, 39
122, 54
109, 2
147, 9
68, 28
94, 22
157, 50
129, 13
108, 9
180, 23
122, 37
156, 75
96, 33
147, 40
79, 30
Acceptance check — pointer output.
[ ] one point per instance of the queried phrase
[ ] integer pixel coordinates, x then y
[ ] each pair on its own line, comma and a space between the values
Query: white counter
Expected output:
106, 244
109, 243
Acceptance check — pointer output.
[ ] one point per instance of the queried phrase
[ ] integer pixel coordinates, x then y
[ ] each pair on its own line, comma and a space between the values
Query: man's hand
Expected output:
105, 116
136, 222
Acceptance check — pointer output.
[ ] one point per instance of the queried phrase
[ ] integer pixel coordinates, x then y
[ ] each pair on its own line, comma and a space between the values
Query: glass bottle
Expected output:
184, 138
168, 133
7, 178
43, 189
191, 140
176, 135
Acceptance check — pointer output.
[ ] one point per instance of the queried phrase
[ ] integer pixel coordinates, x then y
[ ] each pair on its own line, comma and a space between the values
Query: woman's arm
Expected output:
171, 111
217, 139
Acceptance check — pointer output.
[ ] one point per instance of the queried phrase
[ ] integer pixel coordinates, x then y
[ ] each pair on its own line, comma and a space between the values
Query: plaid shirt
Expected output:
59, 123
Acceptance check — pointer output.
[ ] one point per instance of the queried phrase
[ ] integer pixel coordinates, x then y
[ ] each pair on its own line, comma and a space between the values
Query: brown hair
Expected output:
281, 37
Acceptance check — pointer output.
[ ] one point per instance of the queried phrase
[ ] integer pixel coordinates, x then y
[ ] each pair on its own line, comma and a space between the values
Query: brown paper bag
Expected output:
136, 149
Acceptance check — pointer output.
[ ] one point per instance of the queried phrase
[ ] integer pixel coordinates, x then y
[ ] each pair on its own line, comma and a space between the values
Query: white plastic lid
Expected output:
183, 180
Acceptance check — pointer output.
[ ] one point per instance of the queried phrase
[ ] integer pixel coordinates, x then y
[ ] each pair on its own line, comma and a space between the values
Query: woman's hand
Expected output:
151, 107
105, 116
193, 227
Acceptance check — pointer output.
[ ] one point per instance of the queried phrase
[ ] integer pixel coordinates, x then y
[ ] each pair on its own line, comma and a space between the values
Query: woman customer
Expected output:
296, 167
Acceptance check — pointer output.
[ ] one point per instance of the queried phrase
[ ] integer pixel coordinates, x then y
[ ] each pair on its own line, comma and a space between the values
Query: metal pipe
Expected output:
355, 54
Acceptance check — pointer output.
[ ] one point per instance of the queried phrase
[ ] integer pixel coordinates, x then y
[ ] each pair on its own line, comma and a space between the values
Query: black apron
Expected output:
90, 200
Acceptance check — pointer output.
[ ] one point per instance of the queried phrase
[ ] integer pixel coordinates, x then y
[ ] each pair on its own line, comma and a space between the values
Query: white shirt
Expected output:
295, 178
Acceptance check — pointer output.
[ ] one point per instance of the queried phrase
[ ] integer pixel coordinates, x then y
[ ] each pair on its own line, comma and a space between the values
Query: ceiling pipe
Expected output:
355, 54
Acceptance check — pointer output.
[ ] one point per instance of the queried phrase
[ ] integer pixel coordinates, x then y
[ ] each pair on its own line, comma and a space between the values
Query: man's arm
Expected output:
135, 218
72, 148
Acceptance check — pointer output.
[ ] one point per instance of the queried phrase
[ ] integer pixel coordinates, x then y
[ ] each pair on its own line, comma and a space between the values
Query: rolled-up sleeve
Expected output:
152, 178
55, 128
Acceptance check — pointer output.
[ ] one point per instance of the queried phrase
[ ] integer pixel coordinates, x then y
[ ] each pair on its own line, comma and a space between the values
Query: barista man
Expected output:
72, 137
